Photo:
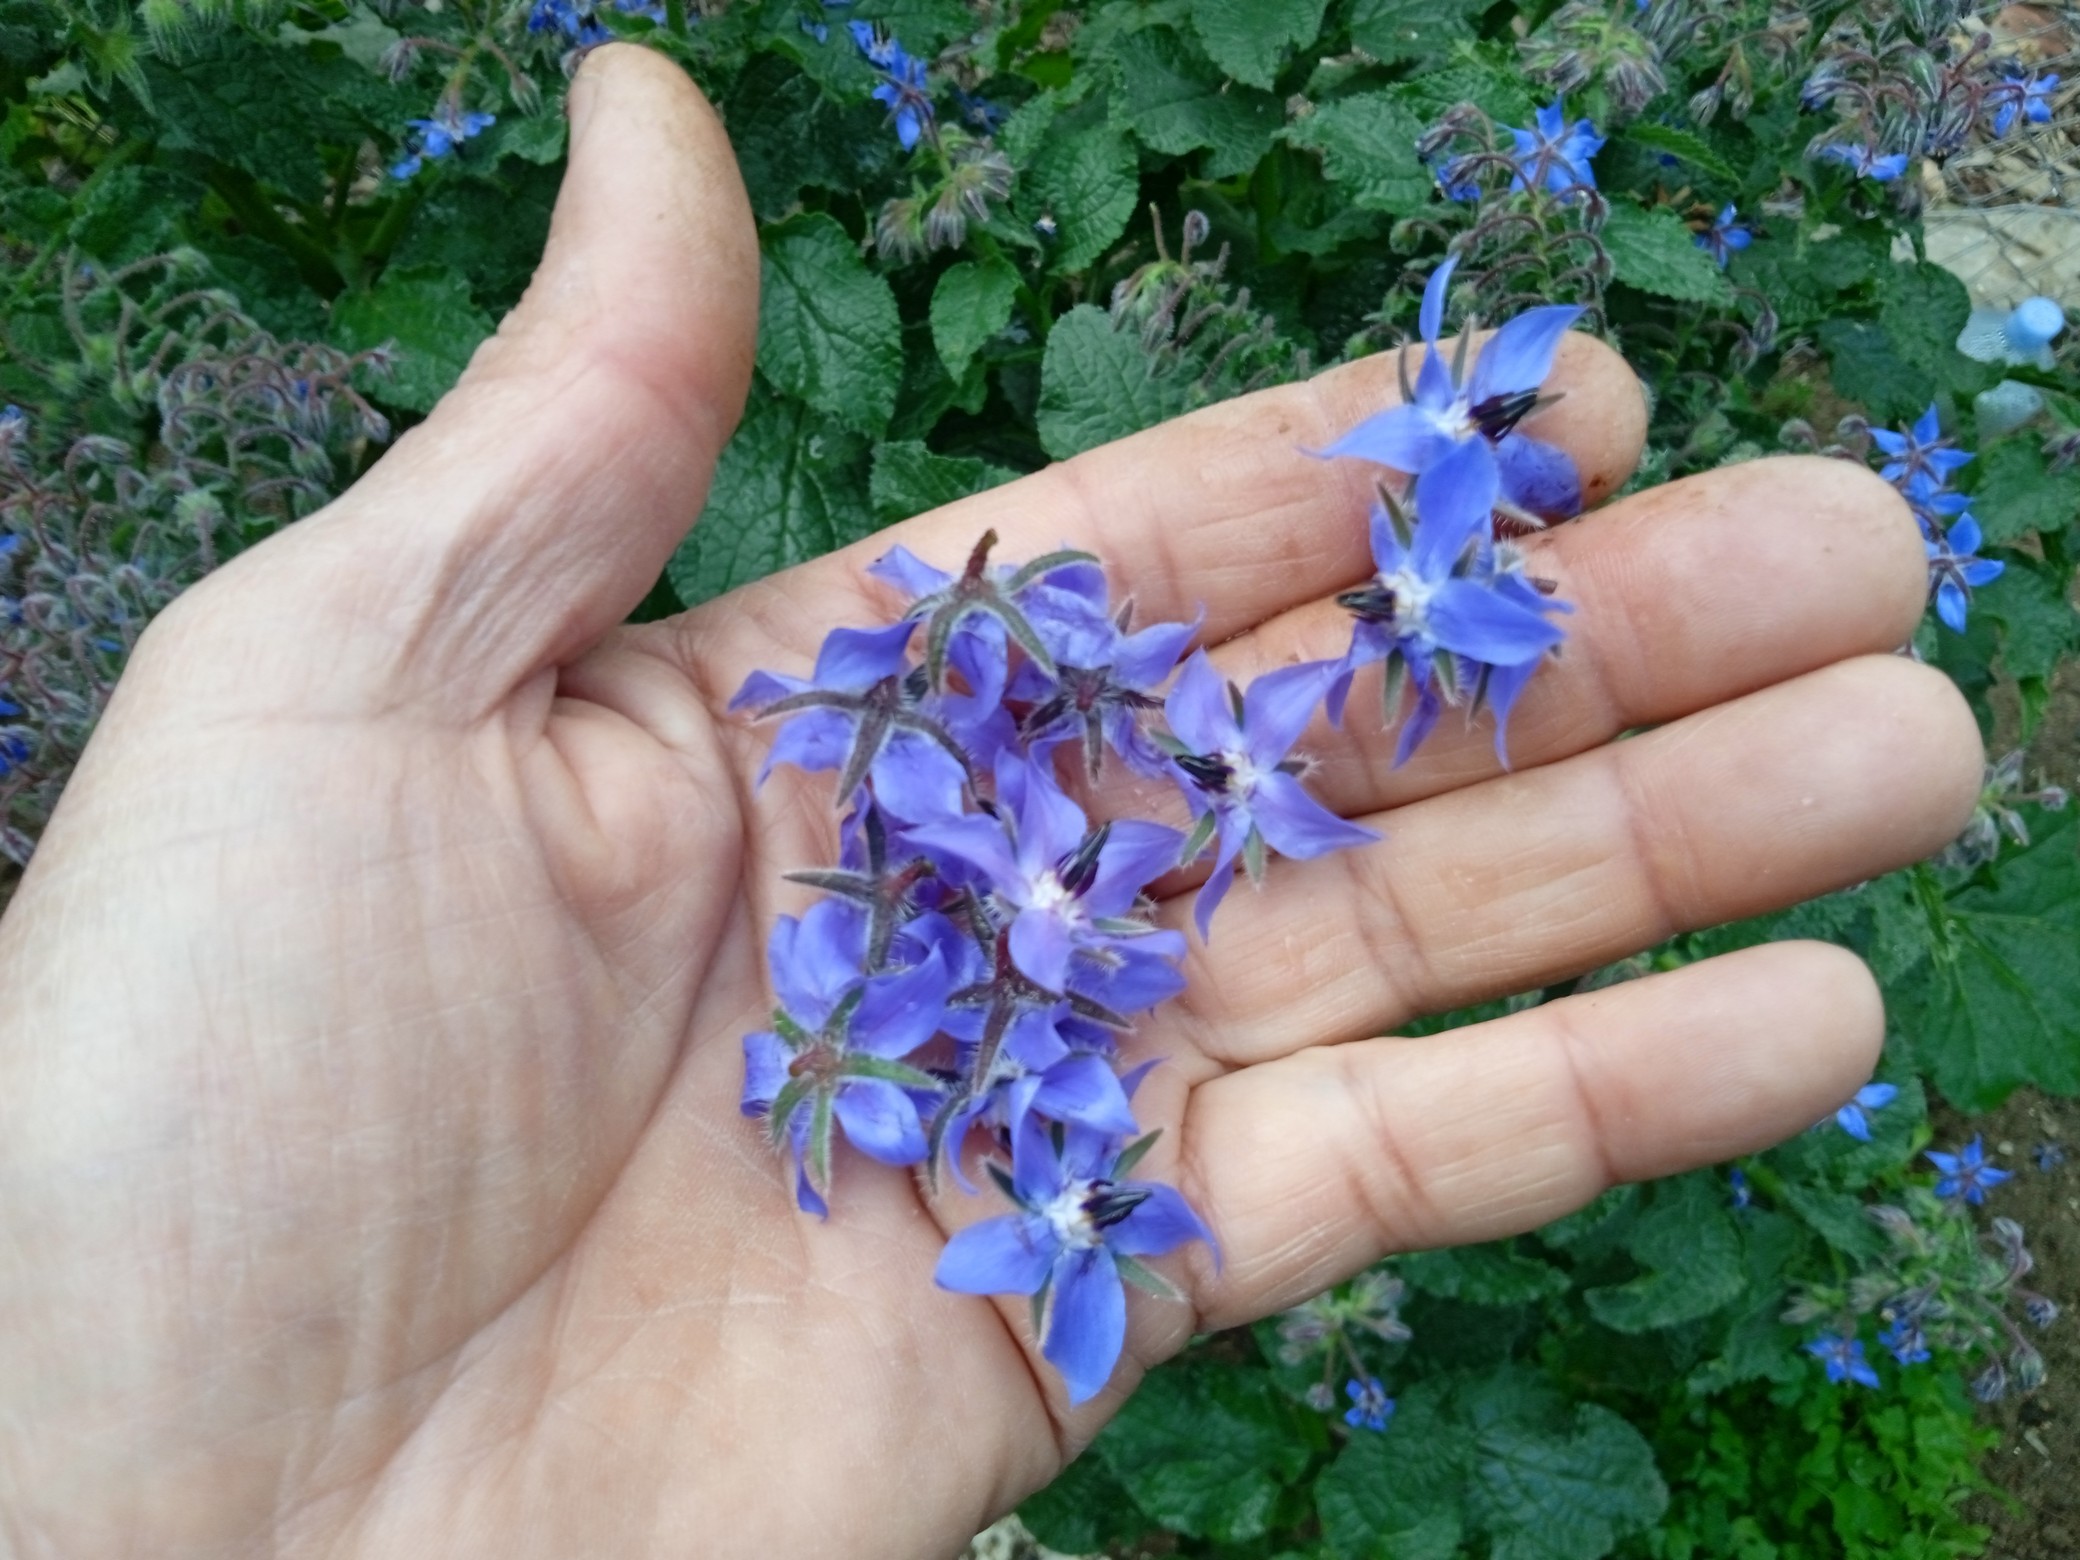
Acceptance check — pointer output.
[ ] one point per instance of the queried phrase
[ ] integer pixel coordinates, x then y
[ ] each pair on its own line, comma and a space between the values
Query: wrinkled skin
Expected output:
371, 1177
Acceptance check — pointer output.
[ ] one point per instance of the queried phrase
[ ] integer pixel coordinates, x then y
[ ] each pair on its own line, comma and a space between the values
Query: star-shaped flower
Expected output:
1966, 1174
1445, 409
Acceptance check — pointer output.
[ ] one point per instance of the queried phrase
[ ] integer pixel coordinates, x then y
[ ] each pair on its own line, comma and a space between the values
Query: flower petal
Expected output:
1402, 437
1474, 620
880, 1121
1198, 709
765, 1071
854, 659
1087, 1323
1040, 947
1519, 356
1162, 1223
999, 1256
1297, 826
1539, 478
1431, 317
1135, 855
1084, 1089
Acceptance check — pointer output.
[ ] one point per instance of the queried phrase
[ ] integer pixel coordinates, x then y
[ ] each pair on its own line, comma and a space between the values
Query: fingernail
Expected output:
584, 93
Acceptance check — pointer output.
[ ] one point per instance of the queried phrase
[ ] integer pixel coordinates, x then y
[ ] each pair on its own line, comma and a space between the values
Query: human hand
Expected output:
371, 1175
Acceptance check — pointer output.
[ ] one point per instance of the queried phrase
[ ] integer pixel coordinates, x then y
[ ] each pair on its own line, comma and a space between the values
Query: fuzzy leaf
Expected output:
1097, 385
1566, 1494
426, 311
1176, 102
1368, 146
1494, 1274
1089, 182
1206, 1450
1996, 1004
828, 332
2015, 492
1687, 1242
1687, 145
787, 488
1391, 30
1249, 38
1655, 251
1396, 1494
909, 479
2039, 627
971, 303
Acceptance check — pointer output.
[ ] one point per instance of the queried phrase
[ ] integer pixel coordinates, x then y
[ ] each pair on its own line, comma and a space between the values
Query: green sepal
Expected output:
1002, 1177
818, 1159
787, 1029
1133, 1154
899, 1073
1196, 842
1145, 1278
785, 1104
1018, 628
1253, 855
1047, 563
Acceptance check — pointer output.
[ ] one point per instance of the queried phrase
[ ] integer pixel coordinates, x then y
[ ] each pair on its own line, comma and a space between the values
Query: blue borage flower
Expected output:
1447, 409
1866, 161
1724, 236
2024, 96
1553, 155
1922, 451
577, 21
435, 138
1450, 611
1967, 1175
1076, 1240
1854, 1119
984, 939
903, 87
1843, 1357
1370, 1408
1905, 1340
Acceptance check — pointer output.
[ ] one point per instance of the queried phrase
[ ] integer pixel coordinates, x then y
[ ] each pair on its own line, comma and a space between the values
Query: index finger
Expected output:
1222, 508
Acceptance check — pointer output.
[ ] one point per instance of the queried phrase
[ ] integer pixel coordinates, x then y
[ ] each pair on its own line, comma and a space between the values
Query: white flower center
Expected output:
1412, 595
1069, 1219
1244, 776
1050, 893
1456, 422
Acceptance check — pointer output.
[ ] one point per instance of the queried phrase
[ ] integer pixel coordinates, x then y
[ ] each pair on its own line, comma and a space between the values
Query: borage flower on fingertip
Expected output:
1450, 611
1077, 1238
1446, 409
1244, 784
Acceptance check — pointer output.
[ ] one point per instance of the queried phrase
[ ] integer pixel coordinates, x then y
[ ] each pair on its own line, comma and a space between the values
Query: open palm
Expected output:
371, 1176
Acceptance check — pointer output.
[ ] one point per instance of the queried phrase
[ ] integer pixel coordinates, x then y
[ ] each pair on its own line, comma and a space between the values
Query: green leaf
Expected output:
1084, 1510
1654, 250
1176, 102
1567, 1494
1368, 145
1494, 1274
1391, 30
535, 138
1997, 1003
1687, 1242
1687, 145
427, 313
1909, 357
909, 479
1249, 38
2039, 627
971, 303
270, 110
1838, 1218
1207, 1450
2015, 492
1757, 1344
1089, 181
828, 331
1395, 1494
1097, 385
923, 27
788, 488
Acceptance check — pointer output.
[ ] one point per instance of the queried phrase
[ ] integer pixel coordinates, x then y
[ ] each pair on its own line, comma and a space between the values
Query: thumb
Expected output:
533, 510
